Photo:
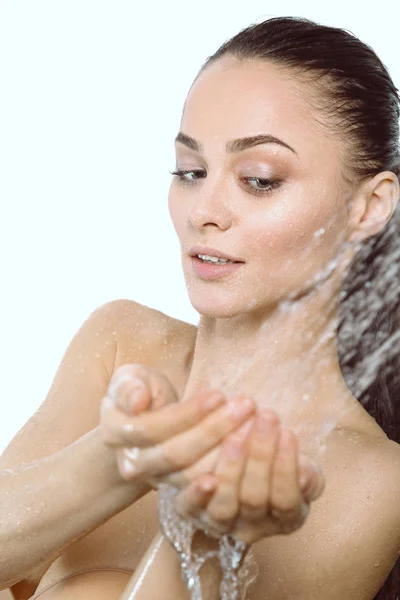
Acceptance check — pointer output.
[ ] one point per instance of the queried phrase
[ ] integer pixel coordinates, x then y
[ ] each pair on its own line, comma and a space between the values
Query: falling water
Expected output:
238, 566
363, 300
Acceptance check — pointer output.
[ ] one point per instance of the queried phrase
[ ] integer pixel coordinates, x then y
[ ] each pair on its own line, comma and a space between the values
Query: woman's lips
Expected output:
211, 271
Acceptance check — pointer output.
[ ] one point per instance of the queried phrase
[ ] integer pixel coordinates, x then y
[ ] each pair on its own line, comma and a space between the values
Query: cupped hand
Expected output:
261, 485
153, 434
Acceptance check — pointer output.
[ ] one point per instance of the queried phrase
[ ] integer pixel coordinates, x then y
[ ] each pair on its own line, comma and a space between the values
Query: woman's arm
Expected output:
52, 502
58, 480
61, 483
158, 575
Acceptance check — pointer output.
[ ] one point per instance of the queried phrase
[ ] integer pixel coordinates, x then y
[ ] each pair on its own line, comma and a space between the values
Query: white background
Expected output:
90, 102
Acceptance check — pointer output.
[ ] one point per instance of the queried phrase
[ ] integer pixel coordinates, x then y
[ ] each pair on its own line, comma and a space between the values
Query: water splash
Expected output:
239, 569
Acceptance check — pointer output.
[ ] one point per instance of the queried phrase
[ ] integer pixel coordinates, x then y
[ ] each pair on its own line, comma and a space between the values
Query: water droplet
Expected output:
319, 233
190, 583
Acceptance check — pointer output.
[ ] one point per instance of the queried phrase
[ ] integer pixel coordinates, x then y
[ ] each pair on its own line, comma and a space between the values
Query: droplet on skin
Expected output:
319, 233
128, 427
128, 467
132, 453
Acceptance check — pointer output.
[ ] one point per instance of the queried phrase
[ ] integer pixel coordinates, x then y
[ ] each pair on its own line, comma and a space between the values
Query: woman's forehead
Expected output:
232, 99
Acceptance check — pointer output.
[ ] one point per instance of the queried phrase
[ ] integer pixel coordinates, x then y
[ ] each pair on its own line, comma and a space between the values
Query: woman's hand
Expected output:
153, 434
260, 487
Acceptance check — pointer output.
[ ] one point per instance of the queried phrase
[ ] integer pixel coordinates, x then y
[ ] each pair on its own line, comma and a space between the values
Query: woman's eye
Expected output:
264, 186
267, 185
181, 175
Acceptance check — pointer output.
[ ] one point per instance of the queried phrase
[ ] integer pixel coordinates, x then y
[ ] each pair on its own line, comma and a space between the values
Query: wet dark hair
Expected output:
359, 102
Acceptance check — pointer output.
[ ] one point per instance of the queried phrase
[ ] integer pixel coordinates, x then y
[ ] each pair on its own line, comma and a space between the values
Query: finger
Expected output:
224, 505
193, 499
314, 487
126, 460
184, 477
286, 502
154, 427
129, 388
308, 470
184, 449
256, 483
136, 387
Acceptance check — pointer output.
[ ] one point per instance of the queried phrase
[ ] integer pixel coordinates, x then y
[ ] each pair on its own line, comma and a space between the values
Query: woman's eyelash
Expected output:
270, 183
180, 175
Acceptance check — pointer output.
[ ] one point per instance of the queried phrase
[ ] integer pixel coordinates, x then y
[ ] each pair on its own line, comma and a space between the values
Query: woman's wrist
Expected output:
103, 461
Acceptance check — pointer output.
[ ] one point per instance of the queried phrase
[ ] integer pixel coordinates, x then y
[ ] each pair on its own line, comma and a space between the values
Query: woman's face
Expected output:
290, 230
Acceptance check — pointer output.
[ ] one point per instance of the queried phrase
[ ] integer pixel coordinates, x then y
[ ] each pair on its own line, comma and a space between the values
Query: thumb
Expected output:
163, 392
308, 471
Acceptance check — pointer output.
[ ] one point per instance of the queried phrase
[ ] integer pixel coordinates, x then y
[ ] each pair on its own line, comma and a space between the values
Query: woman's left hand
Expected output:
259, 487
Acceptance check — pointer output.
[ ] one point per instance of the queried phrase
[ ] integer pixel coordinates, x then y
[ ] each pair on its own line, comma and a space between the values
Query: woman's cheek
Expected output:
294, 244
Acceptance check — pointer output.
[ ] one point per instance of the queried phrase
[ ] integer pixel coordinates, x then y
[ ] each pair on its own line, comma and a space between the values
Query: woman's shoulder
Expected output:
362, 440
148, 336
361, 447
351, 538
364, 465
137, 327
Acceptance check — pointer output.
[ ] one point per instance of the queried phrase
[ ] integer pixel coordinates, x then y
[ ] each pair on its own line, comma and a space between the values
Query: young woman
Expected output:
287, 160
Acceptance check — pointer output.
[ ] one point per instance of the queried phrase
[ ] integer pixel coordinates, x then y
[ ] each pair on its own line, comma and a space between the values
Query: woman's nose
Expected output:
211, 207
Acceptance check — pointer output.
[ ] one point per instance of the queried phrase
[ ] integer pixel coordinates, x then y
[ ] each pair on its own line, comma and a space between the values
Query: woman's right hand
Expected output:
154, 434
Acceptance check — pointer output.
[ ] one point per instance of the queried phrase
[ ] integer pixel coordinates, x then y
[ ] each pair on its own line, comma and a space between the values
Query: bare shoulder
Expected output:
369, 465
151, 337
351, 538
362, 450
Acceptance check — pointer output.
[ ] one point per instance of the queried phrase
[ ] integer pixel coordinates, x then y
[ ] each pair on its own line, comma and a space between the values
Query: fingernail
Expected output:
134, 398
214, 400
245, 429
234, 448
303, 478
239, 409
266, 422
208, 485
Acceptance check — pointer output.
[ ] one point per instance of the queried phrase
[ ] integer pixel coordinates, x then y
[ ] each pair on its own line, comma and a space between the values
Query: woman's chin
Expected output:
221, 309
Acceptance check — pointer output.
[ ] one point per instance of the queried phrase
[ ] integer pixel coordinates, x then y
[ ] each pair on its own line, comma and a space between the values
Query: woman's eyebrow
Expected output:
234, 145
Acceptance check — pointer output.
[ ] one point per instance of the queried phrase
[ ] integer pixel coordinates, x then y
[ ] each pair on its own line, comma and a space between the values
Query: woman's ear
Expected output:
373, 205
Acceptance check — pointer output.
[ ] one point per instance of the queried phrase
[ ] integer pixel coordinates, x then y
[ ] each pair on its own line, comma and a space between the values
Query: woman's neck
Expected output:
285, 358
